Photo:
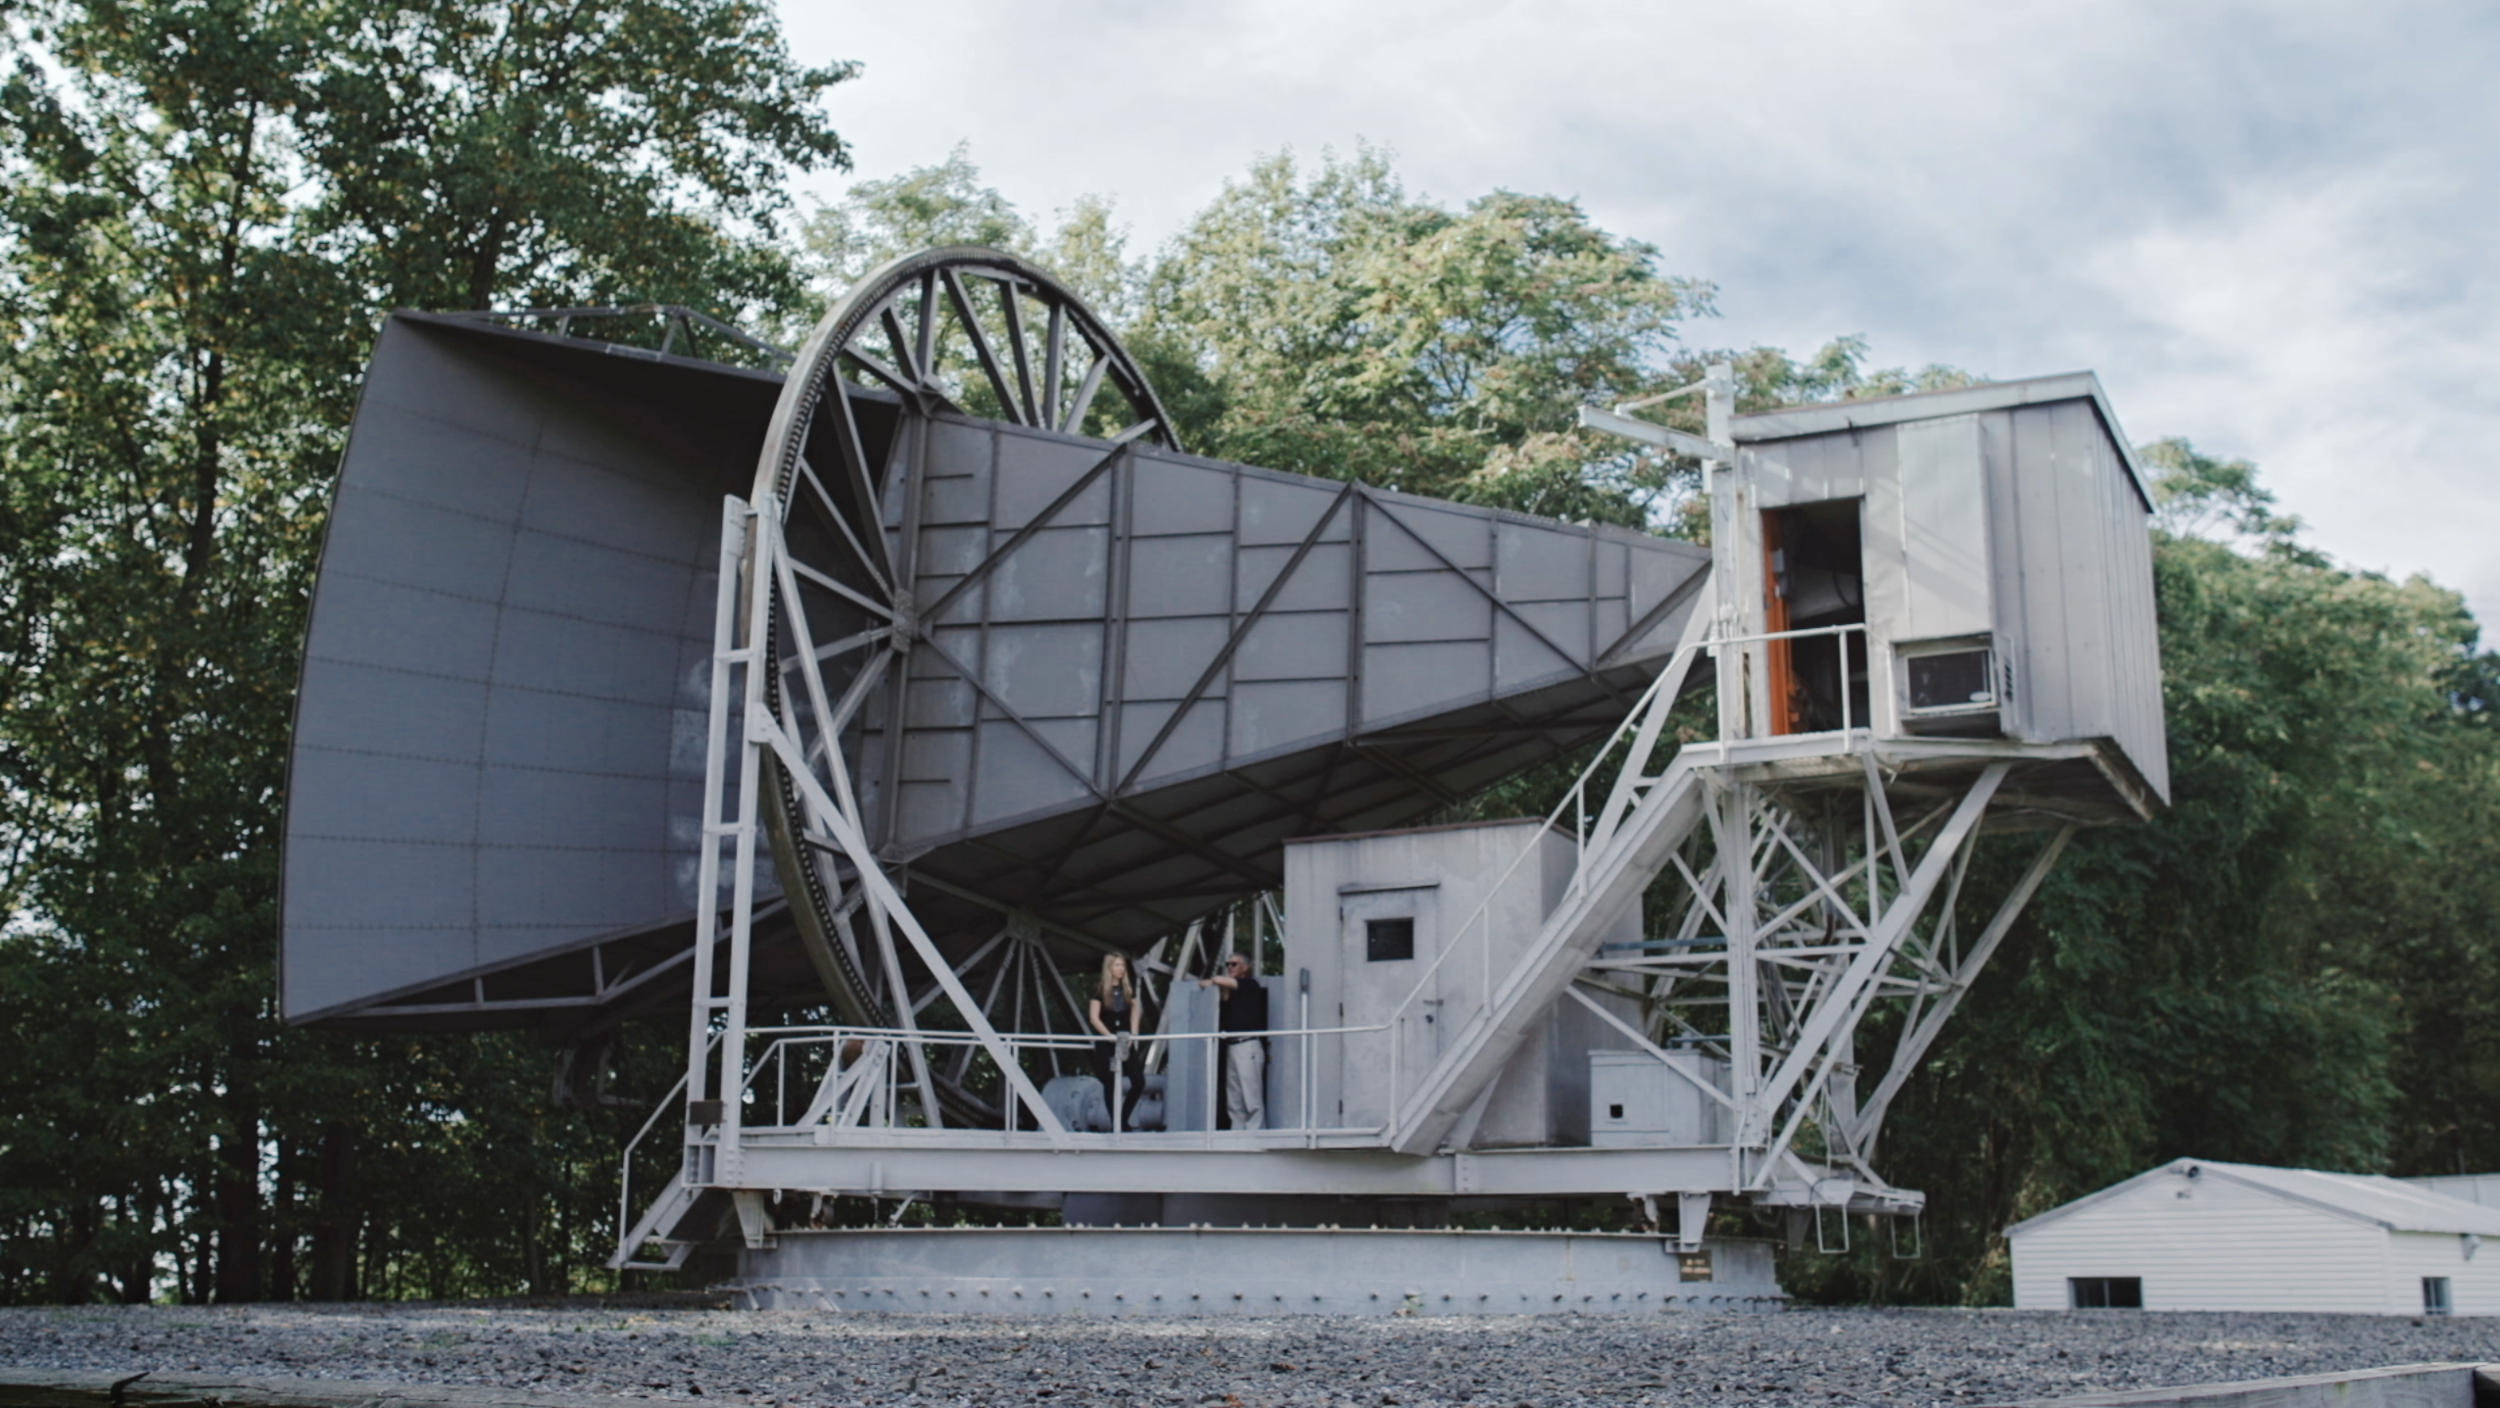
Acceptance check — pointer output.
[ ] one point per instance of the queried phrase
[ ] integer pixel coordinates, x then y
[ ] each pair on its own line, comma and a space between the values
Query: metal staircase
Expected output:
1610, 881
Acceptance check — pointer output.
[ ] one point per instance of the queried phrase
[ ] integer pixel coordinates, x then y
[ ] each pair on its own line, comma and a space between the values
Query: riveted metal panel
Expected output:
572, 676
1275, 510
1057, 574
411, 715
1184, 498
1277, 714
1181, 576
1538, 564
493, 677
1525, 648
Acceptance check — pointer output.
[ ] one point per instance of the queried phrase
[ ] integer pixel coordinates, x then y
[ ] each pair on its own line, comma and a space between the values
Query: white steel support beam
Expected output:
731, 1079
1614, 868
725, 654
1840, 1005
1915, 1039
763, 731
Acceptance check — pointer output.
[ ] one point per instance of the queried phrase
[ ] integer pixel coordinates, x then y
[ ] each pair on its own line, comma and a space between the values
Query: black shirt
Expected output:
1244, 1008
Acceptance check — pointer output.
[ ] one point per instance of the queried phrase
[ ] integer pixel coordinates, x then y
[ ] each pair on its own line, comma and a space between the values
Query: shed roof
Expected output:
1822, 418
2361, 1197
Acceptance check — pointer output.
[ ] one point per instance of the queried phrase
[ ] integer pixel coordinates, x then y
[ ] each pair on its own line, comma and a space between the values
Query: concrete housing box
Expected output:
1636, 1101
1376, 920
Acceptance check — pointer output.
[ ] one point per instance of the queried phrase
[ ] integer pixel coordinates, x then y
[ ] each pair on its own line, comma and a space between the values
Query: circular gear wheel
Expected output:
960, 332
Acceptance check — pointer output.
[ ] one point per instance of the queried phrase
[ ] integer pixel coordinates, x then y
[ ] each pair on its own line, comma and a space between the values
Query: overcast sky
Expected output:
2270, 228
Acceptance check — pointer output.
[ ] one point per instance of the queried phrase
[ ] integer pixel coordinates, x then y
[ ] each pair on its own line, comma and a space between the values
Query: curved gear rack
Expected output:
956, 331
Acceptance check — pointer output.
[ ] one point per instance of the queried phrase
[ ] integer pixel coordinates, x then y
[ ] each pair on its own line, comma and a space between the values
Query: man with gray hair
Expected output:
1243, 1023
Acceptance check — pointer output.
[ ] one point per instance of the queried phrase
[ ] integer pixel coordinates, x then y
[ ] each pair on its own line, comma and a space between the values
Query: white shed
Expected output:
2198, 1235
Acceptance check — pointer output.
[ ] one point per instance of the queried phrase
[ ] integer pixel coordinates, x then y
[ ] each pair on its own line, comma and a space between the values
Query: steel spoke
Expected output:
1085, 391
1011, 303
971, 322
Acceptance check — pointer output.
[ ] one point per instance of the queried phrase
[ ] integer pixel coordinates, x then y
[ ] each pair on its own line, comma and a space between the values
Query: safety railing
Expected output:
667, 1105
1636, 738
1854, 717
840, 1077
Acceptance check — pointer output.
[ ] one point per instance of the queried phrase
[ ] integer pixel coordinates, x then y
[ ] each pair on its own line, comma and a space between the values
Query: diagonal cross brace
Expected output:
1915, 1041
763, 729
1839, 1002
1609, 881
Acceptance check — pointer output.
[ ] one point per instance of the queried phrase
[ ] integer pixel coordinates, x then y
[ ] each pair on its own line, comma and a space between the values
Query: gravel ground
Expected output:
653, 1350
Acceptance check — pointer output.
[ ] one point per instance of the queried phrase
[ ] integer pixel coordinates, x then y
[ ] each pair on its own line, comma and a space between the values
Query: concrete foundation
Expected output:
1213, 1271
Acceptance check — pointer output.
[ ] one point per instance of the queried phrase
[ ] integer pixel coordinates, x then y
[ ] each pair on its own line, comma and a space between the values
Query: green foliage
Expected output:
203, 209
1345, 329
1325, 321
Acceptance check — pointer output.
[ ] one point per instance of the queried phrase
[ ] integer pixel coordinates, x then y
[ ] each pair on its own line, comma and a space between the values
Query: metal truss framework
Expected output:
1801, 892
1797, 912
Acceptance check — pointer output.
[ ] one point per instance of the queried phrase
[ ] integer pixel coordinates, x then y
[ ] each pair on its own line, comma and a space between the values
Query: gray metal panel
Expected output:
2079, 629
506, 671
2089, 641
491, 755
1795, 422
2135, 634
1813, 470
2007, 585
1233, 577
1944, 529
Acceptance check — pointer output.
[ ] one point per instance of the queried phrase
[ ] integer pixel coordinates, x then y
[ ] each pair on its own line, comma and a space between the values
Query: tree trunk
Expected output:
335, 1220
238, 1208
136, 1276
73, 1279
283, 1222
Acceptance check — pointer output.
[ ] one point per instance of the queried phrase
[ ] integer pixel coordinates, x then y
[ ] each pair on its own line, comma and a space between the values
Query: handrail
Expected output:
1575, 798
785, 1039
1849, 723
625, 1160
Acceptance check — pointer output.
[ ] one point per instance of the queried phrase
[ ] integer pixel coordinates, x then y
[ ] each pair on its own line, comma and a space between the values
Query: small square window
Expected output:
1693, 1266
2106, 1292
2435, 1295
1388, 940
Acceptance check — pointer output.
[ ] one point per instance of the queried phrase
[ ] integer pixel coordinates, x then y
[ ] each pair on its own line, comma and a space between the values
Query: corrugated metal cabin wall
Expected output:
2075, 569
2136, 632
1313, 874
2017, 711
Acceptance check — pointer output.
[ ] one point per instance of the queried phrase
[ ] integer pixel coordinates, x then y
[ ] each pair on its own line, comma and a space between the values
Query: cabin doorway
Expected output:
1815, 578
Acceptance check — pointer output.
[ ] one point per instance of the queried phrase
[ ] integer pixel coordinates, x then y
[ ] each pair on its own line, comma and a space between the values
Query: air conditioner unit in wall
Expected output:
1955, 685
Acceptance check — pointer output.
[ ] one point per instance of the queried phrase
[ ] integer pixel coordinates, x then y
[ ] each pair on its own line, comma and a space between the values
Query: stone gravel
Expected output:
653, 1349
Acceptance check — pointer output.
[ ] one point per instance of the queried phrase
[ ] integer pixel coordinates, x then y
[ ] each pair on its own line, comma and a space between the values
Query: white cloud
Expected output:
2328, 332
2262, 223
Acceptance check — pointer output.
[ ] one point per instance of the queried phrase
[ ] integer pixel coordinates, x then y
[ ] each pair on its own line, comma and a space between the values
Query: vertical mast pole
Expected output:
733, 1040
735, 517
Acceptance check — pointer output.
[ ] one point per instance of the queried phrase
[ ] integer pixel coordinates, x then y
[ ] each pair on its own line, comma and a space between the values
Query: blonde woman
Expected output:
1118, 1014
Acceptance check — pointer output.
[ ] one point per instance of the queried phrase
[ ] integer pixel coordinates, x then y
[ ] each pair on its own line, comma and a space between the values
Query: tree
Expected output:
1341, 328
206, 206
